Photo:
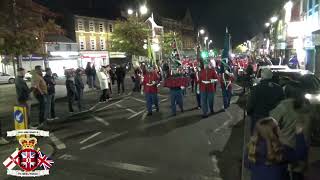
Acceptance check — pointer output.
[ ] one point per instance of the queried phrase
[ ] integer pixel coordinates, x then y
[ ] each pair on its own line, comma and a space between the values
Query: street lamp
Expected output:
267, 24
274, 19
202, 31
143, 9
130, 11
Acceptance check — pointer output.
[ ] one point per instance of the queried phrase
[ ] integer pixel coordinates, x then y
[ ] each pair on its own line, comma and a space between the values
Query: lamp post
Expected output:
200, 32
143, 11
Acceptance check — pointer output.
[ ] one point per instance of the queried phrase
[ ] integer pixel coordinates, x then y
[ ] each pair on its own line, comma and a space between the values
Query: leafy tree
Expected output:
167, 40
22, 31
130, 36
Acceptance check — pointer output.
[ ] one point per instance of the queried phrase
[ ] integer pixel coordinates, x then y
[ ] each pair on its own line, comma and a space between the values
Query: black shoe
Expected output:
204, 116
149, 114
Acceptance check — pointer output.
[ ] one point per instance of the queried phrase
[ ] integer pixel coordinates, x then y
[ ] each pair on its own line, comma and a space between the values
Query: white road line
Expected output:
105, 140
162, 95
134, 115
103, 108
90, 137
130, 167
132, 111
144, 116
100, 120
59, 144
229, 115
118, 105
92, 108
164, 100
140, 100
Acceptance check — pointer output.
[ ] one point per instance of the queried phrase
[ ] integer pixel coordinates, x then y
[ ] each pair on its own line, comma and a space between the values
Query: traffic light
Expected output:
204, 54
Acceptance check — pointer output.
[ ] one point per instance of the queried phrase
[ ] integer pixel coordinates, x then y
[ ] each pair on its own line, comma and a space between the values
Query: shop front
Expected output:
98, 58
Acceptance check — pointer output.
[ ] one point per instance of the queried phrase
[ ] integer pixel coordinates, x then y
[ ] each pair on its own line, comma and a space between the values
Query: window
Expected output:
93, 44
57, 47
110, 28
91, 26
101, 27
80, 25
102, 44
313, 7
82, 43
68, 47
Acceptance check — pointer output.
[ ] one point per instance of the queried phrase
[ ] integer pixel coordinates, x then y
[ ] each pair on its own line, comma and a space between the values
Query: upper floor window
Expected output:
102, 44
101, 27
80, 25
91, 26
82, 43
93, 44
110, 28
313, 6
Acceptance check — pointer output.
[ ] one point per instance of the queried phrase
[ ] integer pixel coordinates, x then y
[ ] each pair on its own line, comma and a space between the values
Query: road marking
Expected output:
119, 105
134, 115
92, 108
132, 111
90, 137
215, 164
130, 167
59, 144
140, 100
67, 157
103, 108
105, 140
99, 119
163, 100
234, 99
162, 95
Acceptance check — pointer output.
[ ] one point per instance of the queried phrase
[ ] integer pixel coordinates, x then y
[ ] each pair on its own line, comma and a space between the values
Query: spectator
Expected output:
264, 97
290, 113
193, 79
89, 74
51, 83
266, 157
150, 82
137, 80
79, 88
207, 79
40, 91
120, 74
71, 89
109, 75
104, 84
22, 90
94, 75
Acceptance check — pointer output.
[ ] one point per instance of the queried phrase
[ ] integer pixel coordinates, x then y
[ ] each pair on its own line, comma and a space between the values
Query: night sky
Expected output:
244, 18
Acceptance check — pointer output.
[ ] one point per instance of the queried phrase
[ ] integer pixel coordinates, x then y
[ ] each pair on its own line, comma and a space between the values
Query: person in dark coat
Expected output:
71, 89
120, 74
94, 75
264, 97
266, 157
51, 84
89, 74
79, 88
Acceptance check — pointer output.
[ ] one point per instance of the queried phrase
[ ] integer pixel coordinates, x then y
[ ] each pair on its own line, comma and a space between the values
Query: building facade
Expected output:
185, 28
93, 38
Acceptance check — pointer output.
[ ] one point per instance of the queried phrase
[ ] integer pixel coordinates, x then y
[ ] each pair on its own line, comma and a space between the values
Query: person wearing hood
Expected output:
79, 88
263, 97
71, 89
267, 157
150, 88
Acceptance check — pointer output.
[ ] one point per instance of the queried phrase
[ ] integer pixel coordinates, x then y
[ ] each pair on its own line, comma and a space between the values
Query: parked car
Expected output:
28, 75
6, 78
273, 69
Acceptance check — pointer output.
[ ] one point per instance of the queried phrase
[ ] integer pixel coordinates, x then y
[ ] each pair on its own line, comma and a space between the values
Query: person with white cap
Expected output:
264, 97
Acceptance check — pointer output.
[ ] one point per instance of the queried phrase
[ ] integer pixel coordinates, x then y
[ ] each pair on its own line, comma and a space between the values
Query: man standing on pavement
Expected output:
120, 73
40, 91
150, 82
264, 97
79, 88
51, 83
22, 90
207, 79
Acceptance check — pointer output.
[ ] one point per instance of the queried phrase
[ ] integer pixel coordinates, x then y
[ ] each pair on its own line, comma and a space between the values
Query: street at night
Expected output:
160, 89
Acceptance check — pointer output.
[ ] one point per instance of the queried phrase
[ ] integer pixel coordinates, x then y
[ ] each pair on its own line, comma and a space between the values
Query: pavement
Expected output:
116, 140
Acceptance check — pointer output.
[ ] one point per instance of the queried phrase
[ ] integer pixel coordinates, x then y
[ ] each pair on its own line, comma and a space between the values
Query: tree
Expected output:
130, 36
167, 40
22, 31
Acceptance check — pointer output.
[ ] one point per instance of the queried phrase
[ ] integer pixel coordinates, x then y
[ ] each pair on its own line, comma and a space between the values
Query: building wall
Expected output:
88, 35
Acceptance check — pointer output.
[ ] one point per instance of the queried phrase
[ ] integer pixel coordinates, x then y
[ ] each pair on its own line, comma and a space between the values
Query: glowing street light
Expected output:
143, 9
206, 38
130, 11
274, 19
202, 31
267, 24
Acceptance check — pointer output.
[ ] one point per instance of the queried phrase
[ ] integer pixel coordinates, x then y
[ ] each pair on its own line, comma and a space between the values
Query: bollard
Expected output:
20, 116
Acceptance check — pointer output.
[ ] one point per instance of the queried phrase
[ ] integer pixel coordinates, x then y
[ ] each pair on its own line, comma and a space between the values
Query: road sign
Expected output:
20, 116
